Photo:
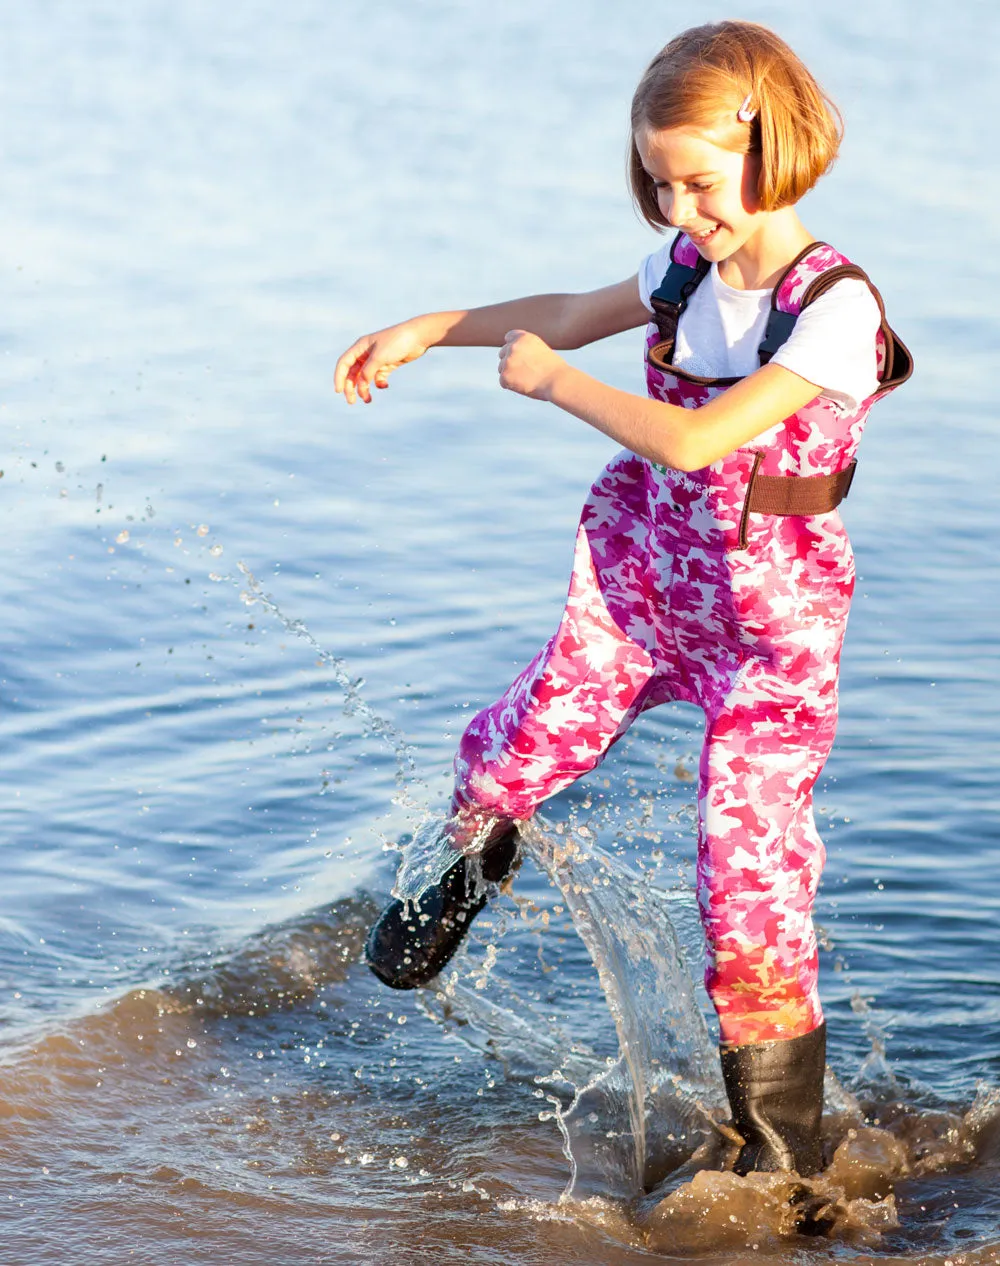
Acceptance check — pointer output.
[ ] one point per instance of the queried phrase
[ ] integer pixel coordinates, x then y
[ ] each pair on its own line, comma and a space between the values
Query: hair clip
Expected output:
744, 113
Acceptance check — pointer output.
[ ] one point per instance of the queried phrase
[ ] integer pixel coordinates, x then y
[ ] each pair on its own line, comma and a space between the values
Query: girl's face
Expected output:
702, 188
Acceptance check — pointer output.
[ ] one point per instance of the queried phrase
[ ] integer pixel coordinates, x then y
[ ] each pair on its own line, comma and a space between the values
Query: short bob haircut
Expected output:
700, 81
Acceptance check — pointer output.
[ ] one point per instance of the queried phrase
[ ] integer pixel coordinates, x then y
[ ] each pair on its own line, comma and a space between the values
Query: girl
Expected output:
711, 565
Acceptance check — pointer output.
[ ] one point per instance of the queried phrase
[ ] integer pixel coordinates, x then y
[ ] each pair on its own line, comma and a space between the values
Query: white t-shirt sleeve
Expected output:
833, 343
652, 270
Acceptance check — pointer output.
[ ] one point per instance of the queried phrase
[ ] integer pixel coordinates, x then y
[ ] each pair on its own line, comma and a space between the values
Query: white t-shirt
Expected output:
831, 345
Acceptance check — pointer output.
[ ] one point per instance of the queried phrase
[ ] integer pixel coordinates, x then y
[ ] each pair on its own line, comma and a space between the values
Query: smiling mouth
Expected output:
702, 237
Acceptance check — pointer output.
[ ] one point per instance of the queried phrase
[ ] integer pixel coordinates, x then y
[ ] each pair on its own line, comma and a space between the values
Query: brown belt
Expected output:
792, 494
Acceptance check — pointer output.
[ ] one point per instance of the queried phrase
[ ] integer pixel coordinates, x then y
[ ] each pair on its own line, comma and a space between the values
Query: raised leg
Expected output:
554, 723
561, 715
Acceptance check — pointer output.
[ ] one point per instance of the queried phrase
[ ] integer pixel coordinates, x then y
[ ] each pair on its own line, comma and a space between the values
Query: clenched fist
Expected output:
528, 365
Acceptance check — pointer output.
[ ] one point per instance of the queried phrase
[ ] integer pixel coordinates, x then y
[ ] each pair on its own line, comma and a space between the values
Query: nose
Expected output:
679, 209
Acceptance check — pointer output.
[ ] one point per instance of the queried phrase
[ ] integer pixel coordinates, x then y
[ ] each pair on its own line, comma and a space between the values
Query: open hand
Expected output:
528, 365
373, 358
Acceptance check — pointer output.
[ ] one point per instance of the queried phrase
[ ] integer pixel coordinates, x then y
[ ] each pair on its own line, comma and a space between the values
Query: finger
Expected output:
351, 380
340, 374
366, 377
370, 367
348, 360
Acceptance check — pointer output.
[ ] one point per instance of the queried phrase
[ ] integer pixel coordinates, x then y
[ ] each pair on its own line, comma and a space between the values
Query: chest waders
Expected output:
727, 587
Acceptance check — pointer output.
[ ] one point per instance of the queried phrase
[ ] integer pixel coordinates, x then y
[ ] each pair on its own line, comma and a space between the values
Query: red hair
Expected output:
700, 81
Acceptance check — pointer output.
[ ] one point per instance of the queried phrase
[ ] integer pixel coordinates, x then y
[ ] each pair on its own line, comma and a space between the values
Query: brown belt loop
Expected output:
741, 543
792, 494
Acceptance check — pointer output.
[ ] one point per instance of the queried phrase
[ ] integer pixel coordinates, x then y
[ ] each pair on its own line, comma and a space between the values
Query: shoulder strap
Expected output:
679, 283
895, 365
781, 319
778, 330
681, 280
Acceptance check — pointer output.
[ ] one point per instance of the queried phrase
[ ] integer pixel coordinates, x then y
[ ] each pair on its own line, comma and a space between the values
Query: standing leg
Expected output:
759, 863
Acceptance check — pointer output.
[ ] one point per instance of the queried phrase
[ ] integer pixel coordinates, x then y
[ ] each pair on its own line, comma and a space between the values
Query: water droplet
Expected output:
122, 536
203, 530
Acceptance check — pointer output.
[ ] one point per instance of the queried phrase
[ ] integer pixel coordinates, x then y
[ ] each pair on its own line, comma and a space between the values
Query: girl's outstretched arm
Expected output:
563, 321
686, 439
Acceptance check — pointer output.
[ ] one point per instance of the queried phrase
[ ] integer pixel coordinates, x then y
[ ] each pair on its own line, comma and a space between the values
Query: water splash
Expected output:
432, 849
624, 1119
355, 705
875, 1069
666, 1081
424, 858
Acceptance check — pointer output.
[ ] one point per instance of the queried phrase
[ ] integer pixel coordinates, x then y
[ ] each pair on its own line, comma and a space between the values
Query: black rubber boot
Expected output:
407, 948
775, 1090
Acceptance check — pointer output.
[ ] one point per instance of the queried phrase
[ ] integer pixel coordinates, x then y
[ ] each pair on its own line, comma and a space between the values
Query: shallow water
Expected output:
200, 208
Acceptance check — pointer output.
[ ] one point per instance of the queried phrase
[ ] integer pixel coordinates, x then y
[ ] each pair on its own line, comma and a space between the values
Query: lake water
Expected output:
201, 206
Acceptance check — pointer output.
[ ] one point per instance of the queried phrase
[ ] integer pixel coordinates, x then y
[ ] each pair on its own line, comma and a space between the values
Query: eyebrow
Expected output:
698, 175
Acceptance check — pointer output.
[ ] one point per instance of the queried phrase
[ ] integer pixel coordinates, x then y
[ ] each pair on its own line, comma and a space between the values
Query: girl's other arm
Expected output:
686, 439
561, 320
